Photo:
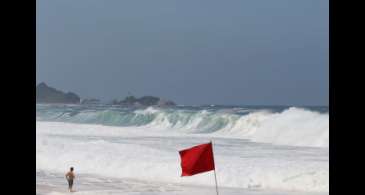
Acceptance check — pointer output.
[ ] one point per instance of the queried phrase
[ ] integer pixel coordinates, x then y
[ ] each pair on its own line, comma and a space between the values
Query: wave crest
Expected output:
293, 126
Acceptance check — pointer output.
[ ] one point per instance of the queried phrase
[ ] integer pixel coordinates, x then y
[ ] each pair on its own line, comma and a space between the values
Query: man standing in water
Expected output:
70, 176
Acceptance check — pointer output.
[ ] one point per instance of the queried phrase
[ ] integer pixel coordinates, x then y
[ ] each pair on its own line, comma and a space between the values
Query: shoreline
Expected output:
89, 184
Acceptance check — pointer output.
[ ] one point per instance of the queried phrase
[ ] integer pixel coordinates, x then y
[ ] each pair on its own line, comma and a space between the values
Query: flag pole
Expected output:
215, 175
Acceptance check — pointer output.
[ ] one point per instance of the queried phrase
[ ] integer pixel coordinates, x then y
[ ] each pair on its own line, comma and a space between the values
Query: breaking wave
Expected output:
292, 126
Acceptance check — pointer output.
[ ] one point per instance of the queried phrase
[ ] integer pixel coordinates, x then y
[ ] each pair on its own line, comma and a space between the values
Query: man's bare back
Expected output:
70, 175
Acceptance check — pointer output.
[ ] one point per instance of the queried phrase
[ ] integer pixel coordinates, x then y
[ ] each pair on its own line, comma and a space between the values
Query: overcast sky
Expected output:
259, 52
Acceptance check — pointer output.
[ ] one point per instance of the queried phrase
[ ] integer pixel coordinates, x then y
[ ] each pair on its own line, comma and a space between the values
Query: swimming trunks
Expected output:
70, 183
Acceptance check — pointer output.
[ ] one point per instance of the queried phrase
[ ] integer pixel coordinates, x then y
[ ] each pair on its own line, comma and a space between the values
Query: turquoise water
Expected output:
205, 118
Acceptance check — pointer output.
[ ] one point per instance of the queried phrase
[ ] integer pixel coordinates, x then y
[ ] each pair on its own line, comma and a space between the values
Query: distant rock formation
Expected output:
162, 103
46, 94
144, 101
90, 101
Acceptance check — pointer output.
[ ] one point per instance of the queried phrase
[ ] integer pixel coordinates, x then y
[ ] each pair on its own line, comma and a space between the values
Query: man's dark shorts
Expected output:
70, 183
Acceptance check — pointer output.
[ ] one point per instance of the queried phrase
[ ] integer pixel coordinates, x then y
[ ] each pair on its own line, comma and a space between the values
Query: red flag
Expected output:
197, 159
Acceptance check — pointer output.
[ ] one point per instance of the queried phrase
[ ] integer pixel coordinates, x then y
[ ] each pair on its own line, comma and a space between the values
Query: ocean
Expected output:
124, 150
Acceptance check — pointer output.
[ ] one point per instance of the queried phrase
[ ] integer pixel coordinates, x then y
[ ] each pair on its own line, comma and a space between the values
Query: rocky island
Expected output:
46, 94
90, 101
50, 95
144, 101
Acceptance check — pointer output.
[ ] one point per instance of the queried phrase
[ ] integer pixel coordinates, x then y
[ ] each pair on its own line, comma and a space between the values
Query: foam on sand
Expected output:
152, 155
95, 185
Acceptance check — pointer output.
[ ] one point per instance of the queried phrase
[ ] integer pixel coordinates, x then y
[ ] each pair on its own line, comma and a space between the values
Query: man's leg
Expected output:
71, 184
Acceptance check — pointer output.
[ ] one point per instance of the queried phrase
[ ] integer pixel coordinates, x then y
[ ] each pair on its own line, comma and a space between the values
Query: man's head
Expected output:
71, 169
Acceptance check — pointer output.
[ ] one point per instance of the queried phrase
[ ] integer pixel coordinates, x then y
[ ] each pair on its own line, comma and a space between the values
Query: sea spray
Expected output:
289, 126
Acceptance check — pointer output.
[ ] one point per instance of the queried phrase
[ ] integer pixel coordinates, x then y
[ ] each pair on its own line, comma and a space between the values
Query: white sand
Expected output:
55, 184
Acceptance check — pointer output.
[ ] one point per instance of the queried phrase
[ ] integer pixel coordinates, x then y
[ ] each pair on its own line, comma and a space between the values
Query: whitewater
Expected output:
117, 150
